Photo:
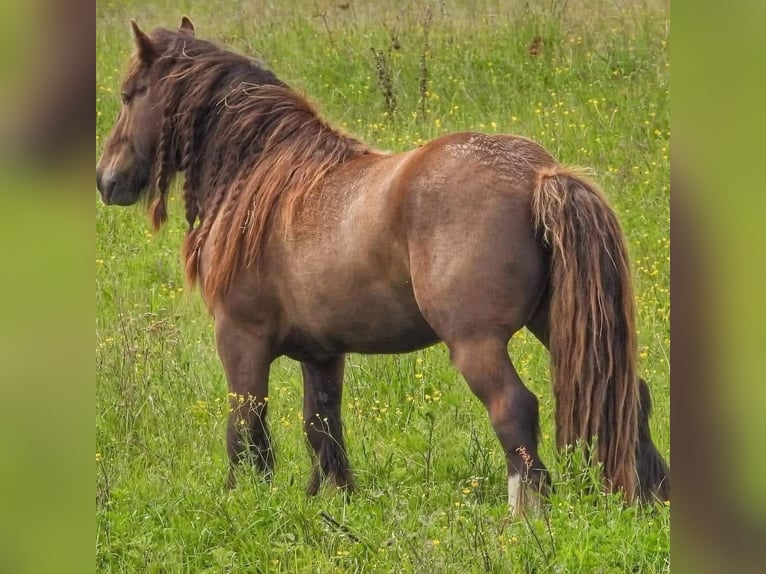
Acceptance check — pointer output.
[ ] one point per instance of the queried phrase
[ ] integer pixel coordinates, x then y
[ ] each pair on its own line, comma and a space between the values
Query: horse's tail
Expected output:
591, 322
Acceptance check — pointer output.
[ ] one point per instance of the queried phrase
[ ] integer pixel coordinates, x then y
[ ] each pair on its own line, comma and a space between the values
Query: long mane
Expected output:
251, 148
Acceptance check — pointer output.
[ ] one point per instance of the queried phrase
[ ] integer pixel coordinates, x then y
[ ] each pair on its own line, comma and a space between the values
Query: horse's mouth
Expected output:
118, 191
119, 197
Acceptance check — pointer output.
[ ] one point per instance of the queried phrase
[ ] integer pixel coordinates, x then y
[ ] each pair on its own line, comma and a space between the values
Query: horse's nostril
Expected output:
105, 183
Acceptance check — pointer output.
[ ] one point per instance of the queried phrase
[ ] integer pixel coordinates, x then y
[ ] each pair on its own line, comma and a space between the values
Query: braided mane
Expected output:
250, 147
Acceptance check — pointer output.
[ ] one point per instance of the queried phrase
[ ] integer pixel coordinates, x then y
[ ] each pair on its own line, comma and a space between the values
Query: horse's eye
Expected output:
125, 98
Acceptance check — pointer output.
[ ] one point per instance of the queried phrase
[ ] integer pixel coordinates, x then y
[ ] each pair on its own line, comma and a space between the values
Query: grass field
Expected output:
431, 490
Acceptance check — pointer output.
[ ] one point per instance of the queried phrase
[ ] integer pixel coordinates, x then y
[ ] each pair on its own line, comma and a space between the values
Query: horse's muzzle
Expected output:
114, 190
104, 187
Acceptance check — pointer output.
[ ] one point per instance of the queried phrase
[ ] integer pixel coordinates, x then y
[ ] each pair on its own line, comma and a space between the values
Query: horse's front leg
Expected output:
246, 357
322, 394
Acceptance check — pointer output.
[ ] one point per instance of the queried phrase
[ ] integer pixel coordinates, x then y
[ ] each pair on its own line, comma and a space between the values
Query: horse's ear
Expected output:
144, 46
186, 25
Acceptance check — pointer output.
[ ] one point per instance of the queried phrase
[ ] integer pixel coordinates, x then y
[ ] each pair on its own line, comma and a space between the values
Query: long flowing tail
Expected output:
591, 322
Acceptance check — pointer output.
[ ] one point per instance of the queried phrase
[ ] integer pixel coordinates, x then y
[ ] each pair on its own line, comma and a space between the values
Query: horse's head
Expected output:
125, 169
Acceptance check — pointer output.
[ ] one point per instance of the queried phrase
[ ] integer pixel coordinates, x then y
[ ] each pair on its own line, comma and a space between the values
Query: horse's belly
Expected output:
303, 346
389, 338
358, 323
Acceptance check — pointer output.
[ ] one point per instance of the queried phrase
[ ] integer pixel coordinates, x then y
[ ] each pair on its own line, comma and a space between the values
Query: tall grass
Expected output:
590, 81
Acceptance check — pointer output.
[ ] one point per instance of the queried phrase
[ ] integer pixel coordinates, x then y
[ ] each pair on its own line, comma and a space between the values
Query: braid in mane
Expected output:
190, 203
195, 238
165, 171
191, 169
192, 213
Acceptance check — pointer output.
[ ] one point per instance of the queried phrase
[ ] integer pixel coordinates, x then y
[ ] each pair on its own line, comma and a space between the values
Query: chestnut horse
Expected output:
307, 243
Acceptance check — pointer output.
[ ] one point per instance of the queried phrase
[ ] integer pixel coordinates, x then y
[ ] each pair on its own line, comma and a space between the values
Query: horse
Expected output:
307, 243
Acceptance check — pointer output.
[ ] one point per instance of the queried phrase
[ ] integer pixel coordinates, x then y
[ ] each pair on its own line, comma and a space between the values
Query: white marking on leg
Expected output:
514, 484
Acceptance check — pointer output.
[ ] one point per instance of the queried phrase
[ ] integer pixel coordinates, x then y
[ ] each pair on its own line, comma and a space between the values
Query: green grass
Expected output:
430, 474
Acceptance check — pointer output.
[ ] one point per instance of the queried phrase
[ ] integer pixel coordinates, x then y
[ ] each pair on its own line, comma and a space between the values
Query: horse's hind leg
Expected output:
478, 273
513, 411
323, 391
653, 473
246, 360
